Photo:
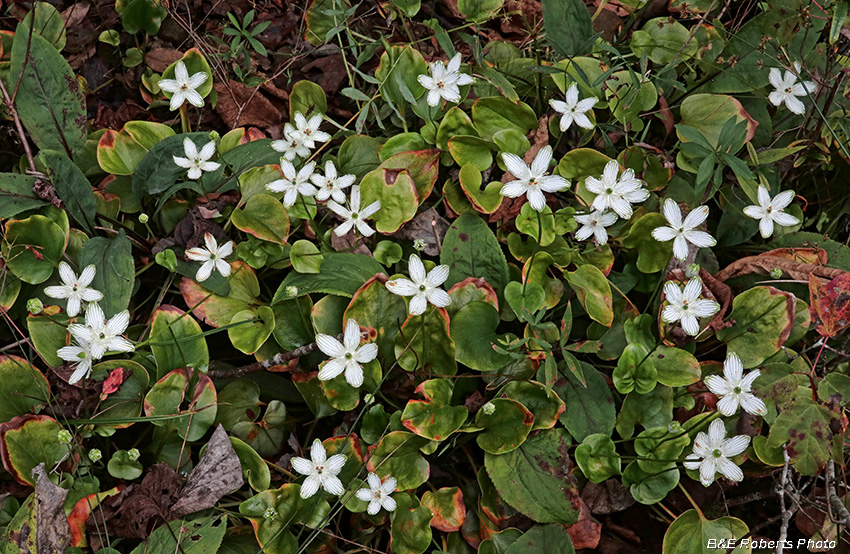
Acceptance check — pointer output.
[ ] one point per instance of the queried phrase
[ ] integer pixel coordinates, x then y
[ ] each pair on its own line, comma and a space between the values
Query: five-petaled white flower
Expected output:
81, 355
532, 181
770, 211
76, 290
574, 110
307, 131
423, 288
100, 334
378, 494
290, 145
213, 257
735, 388
683, 232
594, 224
197, 162
686, 306
354, 215
320, 470
331, 184
444, 81
182, 87
712, 452
788, 89
293, 183
346, 356
616, 192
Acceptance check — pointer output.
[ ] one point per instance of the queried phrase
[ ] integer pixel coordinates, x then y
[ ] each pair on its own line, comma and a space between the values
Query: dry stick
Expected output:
18, 126
842, 515
280, 358
786, 512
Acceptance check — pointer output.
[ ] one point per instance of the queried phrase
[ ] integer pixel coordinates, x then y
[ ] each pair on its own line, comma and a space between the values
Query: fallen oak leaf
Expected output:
798, 263
218, 473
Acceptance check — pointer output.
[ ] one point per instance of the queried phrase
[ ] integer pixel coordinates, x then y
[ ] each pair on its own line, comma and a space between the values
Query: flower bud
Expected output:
291, 291
776, 273
270, 513
214, 136
64, 436
419, 244
143, 218
489, 408
95, 455
34, 306
692, 271
368, 399
133, 454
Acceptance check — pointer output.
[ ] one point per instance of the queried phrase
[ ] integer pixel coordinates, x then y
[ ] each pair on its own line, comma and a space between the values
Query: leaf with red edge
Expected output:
434, 418
81, 512
27, 441
447, 510
830, 304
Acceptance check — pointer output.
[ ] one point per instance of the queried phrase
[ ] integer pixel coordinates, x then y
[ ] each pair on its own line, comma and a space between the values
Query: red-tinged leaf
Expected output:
586, 532
830, 304
447, 510
81, 512
113, 382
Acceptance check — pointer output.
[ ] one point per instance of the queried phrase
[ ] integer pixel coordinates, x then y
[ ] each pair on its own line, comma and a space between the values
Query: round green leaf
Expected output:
27, 441
692, 532
411, 525
397, 193
473, 329
195, 63
434, 418
22, 387
398, 455
121, 466
597, 457
249, 337
506, 428
264, 217
32, 247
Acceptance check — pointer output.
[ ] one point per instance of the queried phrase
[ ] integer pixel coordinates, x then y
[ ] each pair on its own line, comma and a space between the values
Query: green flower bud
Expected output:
34, 306
143, 218
489, 408
64, 436
270, 513
133, 454
419, 244
214, 136
776, 273
95, 455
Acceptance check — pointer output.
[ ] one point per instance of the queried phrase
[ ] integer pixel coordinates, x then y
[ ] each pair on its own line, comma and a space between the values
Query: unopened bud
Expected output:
270, 513
95, 455
776, 273
34, 306
214, 136
143, 218
419, 244
64, 436
488, 408
133, 454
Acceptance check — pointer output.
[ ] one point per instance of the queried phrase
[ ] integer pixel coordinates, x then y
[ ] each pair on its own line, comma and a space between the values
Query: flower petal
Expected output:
416, 269
330, 346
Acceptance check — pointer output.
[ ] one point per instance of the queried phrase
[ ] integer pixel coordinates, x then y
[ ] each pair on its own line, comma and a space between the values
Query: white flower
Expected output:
346, 356
197, 162
293, 183
616, 193
532, 181
687, 306
80, 354
770, 211
332, 185
444, 81
76, 290
422, 287
712, 452
683, 232
213, 257
308, 131
594, 224
182, 87
290, 145
573, 109
735, 389
378, 494
788, 89
354, 215
321, 471
102, 335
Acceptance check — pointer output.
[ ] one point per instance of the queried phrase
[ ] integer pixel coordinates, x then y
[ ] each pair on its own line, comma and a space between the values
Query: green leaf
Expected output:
663, 41
675, 367
121, 466
568, 26
653, 256
119, 152
479, 10
285, 508
807, 429
423, 166
238, 401
167, 396
176, 341
649, 488
359, 154
473, 329
143, 15
589, 409
473, 151
411, 525
305, 257
594, 293
307, 98
544, 405
48, 24
249, 337
22, 387
197, 536
691, 532
650, 410
399, 66
494, 115
49, 100
597, 457
16, 194
342, 274
32, 247
254, 469
27, 441
264, 217
396, 191
374, 307
486, 200
505, 428
657, 447
708, 113
424, 343
764, 318
115, 276
551, 539
125, 404
470, 249
398, 455
216, 309
535, 478
635, 371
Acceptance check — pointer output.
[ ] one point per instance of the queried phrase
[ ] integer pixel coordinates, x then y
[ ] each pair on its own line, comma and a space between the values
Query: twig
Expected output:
10, 105
278, 359
786, 512
842, 515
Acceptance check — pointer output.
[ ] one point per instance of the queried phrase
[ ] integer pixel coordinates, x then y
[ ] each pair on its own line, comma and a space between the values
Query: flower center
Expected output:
74, 287
354, 215
769, 209
102, 336
348, 355
212, 256
737, 390
788, 90
422, 288
717, 453
681, 230
378, 494
609, 191
440, 84
184, 86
